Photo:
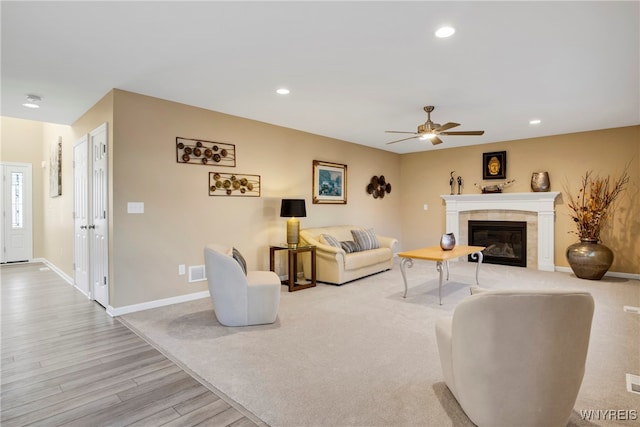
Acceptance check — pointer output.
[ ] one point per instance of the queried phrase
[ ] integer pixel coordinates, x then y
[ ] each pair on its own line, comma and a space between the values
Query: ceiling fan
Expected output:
431, 130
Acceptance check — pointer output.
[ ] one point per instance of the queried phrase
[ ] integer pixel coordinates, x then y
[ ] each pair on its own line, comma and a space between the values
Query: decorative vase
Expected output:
540, 181
447, 241
589, 259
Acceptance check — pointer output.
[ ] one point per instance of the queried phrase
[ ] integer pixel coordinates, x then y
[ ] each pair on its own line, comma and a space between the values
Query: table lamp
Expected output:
293, 209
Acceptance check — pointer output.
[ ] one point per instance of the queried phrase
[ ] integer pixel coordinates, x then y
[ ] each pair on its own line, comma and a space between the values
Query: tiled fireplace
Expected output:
536, 209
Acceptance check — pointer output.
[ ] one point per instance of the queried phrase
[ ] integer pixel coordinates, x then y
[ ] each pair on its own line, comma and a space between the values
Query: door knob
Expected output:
83, 227
92, 226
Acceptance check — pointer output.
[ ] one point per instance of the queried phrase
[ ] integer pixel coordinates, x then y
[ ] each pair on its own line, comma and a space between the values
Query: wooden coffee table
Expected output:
435, 253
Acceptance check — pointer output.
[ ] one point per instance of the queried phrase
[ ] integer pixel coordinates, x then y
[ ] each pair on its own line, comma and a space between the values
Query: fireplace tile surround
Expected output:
536, 208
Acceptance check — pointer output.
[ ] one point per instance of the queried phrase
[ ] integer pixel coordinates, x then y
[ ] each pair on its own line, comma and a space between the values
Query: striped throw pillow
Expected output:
238, 257
349, 246
365, 239
329, 240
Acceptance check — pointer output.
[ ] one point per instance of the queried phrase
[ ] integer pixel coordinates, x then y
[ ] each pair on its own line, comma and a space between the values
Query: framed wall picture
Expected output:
55, 168
329, 182
494, 165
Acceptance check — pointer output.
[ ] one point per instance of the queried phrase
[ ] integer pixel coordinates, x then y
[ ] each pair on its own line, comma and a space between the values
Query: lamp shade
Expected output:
293, 208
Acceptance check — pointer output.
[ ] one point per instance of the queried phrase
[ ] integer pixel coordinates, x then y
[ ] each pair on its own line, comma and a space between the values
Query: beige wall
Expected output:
180, 217
425, 176
58, 211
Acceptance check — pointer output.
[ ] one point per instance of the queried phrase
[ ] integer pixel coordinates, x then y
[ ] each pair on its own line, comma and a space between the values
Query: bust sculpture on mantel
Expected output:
541, 202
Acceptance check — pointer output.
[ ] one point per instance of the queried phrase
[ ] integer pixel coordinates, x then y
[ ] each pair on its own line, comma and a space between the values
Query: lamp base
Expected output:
293, 233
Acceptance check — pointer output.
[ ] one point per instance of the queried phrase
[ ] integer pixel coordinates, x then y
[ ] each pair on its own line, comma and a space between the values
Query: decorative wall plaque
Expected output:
378, 186
208, 153
234, 184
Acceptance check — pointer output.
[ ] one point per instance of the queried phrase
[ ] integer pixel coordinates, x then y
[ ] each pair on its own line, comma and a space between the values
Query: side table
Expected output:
293, 266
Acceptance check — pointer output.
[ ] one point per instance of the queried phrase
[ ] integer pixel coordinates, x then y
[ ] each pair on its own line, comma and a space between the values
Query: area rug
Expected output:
362, 355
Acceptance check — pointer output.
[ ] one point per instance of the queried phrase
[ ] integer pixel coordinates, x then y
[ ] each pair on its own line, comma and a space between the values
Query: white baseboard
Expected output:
631, 276
113, 311
62, 274
119, 311
59, 272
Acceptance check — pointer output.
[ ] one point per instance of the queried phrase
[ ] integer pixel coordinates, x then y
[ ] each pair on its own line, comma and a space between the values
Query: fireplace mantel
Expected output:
541, 202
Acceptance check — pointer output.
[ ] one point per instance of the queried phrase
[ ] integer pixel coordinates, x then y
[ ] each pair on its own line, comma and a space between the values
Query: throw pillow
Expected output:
349, 246
365, 239
329, 240
238, 257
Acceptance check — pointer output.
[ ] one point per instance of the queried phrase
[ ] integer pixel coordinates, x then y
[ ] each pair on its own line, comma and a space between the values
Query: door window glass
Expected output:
17, 191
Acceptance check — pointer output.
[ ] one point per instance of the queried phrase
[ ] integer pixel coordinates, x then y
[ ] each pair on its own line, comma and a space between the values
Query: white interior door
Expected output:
91, 226
99, 231
17, 227
81, 215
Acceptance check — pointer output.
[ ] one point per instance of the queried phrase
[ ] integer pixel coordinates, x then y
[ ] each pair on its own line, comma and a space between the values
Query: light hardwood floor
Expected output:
64, 361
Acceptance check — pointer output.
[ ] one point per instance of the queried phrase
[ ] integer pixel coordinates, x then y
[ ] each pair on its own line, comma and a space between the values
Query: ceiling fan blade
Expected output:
403, 139
400, 131
468, 132
446, 126
435, 140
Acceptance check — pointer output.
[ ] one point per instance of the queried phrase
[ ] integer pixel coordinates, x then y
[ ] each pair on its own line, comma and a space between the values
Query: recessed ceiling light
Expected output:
32, 101
535, 122
283, 91
443, 32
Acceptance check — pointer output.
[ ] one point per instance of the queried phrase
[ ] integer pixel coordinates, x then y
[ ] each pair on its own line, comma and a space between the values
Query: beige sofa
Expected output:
336, 266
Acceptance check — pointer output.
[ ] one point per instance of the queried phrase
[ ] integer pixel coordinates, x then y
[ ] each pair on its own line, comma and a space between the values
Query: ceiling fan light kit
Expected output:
431, 130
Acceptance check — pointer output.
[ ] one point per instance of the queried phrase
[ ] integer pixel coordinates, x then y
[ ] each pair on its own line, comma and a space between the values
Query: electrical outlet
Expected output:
426, 207
181, 270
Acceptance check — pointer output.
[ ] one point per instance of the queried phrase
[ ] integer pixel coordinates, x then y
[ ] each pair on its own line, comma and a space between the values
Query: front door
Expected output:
16, 231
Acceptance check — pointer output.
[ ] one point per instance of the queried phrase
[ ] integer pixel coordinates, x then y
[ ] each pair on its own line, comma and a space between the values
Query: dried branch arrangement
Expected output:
593, 204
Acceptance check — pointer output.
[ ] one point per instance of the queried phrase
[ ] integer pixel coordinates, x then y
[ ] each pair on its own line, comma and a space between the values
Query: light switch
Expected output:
135, 207
426, 207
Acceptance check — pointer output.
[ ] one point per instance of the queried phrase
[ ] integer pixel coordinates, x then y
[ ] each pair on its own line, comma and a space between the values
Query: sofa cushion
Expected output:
363, 259
329, 240
349, 246
365, 239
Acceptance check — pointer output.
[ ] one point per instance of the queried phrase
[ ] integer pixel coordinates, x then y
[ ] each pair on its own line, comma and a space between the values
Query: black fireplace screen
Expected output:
505, 241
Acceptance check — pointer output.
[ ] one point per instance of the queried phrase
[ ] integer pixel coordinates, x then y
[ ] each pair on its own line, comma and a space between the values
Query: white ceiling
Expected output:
355, 69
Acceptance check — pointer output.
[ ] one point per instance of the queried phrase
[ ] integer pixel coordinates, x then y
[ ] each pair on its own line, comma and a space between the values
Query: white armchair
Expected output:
239, 299
516, 357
